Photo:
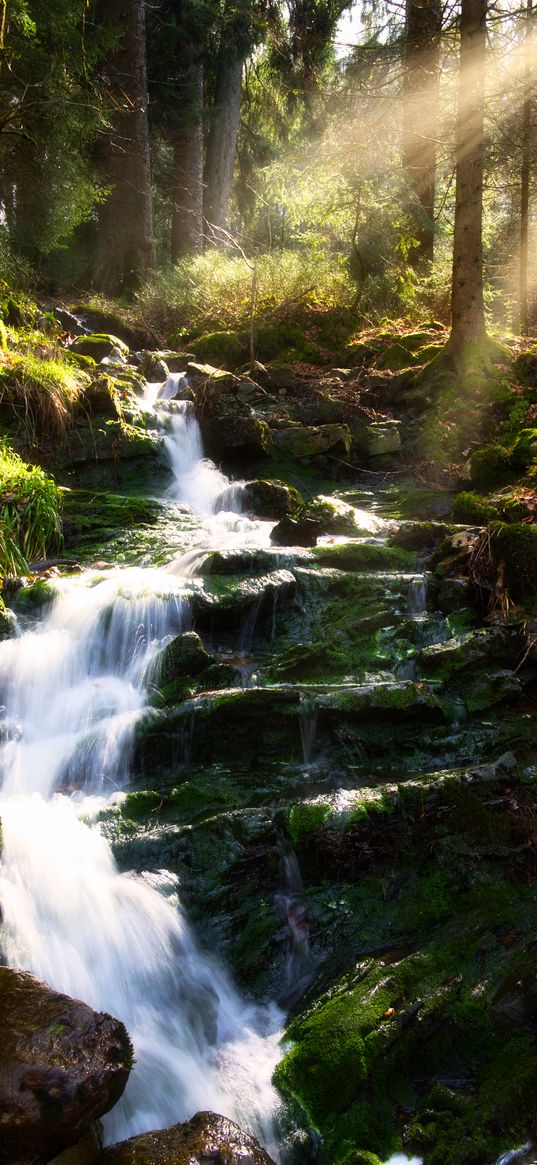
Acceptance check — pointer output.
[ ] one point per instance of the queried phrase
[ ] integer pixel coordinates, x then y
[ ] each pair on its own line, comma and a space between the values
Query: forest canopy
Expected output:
388, 147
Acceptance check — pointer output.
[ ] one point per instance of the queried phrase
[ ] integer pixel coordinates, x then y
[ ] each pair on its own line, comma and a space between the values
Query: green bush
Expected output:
30, 513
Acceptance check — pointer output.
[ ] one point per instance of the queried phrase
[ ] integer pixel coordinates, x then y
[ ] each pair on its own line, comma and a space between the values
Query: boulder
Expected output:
184, 656
152, 366
296, 532
207, 1138
227, 422
378, 438
63, 1065
312, 440
69, 322
270, 499
99, 346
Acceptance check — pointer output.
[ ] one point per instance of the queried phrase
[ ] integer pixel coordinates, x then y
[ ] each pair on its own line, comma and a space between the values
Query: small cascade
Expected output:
301, 963
248, 626
417, 596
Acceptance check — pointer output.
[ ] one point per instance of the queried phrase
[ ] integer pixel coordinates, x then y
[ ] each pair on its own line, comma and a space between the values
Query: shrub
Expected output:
212, 292
42, 391
30, 512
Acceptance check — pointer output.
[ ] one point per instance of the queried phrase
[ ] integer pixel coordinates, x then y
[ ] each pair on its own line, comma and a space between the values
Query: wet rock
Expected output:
69, 322
152, 366
184, 656
87, 1151
99, 346
313, 440
8, 622
420, 535
271, 499
338, 517
226, 421
63, 1065
296, 532
453, 594
225, 597
485, 646
378, 438
206, 1138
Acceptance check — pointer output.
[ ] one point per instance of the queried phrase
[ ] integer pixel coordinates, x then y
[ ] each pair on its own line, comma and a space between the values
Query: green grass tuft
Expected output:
29, 513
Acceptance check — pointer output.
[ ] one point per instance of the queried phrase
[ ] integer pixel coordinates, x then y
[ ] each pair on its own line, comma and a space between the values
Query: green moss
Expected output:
514, 550
471, 509
271, 340
3, 337
306, 816
29, 600
396, 357
525, 367
524, 450
223, 349
362, 556
491, 466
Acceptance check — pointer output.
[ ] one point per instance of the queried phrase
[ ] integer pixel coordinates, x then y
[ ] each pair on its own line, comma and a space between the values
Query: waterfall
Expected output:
75, 686
301, 963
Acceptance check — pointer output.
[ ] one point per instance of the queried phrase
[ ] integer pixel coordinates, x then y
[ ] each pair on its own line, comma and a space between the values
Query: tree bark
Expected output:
525, 176
420, 120
467, 306
187, 179
222, 140
124, 250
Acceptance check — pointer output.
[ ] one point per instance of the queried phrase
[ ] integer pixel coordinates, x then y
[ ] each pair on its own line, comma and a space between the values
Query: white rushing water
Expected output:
74, 688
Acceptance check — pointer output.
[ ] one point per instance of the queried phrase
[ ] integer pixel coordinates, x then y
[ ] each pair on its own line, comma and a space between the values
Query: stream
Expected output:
74, 687
77, 689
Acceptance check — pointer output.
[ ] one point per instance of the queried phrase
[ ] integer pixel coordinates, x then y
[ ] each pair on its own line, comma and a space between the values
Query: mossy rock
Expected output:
429, 352
364, 556
513, 549
271, 498
525, 367
184, 656
221, 349
98, 346
419, 535
311, 441
524, 450
472, 510
32, 599
334, 516
491, 466
271, 340
359, 353
396, 357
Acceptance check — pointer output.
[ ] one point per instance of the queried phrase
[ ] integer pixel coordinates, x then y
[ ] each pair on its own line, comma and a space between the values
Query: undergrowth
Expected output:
214, 290
30, 513
41, 390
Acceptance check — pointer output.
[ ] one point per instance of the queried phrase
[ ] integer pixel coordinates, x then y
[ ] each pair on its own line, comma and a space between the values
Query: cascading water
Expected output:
74, 689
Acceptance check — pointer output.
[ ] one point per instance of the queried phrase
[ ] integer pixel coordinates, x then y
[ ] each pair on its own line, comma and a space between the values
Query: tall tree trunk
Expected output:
525, 176
222, 140
467, 307
420, 119
124, 249
187, 181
